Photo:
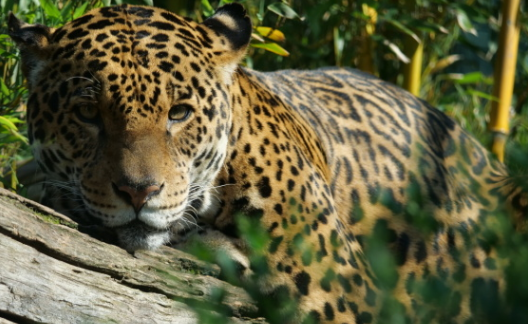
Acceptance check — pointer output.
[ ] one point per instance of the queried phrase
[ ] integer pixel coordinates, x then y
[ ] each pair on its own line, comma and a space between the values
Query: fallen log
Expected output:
50, 272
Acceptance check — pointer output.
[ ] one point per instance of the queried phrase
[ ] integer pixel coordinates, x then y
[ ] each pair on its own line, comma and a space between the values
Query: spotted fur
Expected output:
144, 122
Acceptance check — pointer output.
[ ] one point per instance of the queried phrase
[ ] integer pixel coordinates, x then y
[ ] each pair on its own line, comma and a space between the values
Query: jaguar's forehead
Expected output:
132, 62
130, 37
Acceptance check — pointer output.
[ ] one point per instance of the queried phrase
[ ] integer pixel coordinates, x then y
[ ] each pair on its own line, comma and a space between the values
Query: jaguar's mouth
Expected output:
140, 225
137, 235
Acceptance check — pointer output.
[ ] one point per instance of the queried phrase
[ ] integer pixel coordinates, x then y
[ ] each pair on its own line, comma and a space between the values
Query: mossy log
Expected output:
50, 272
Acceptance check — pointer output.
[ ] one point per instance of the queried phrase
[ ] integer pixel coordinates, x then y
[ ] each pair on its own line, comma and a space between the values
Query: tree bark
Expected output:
50, 272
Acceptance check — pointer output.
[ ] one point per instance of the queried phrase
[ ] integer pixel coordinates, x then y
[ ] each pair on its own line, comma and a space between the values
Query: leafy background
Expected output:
460, 41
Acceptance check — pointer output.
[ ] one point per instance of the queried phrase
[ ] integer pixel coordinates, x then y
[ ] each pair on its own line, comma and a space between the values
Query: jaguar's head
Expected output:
129, 106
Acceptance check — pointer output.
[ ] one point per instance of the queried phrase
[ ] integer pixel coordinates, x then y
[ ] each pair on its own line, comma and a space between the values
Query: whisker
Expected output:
80, 77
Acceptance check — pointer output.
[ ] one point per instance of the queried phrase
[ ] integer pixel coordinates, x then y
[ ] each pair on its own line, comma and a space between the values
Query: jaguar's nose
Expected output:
136, 195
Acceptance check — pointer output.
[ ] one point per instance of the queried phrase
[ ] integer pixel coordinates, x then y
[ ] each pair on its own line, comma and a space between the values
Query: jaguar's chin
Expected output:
137, 235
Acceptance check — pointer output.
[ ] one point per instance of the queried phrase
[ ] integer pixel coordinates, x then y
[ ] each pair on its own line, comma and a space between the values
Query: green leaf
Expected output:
7, 123
3, 88
66, 11
272, 47
468, 78
443, 63
474, 77
403, 29
208, 10
393, 47
427, 26
23, 5
483, 95
283, 10
339, 45
50, 9
464, 22
271, 33
79, 11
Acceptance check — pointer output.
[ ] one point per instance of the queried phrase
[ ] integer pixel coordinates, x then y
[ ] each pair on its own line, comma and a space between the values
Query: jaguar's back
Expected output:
396, 169
402, 172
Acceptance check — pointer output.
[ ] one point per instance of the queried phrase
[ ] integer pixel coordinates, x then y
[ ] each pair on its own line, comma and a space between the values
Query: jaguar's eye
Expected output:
87, 112
180, 112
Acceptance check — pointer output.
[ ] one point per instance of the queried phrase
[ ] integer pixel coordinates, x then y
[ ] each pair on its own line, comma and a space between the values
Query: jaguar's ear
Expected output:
32, 40
233, 24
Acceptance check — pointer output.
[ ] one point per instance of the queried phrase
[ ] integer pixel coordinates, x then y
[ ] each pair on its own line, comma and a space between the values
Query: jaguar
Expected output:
146, 123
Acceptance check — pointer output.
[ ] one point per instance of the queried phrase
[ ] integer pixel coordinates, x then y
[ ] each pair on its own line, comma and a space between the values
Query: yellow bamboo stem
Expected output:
504, 76
412, 73
13, 175
367, 47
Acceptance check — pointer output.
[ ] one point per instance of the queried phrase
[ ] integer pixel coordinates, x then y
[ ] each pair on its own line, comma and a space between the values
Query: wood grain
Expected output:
50, 272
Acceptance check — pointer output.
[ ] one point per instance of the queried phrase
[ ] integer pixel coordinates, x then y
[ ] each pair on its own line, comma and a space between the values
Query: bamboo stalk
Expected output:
504, 76
367, 47
412, 72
